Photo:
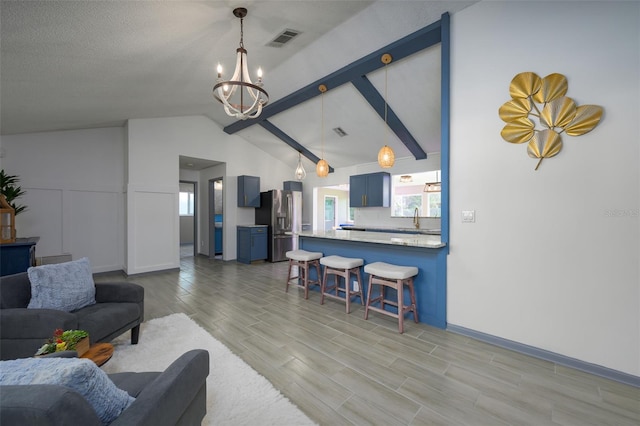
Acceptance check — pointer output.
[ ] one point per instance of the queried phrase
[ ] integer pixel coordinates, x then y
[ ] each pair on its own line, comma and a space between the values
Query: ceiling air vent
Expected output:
283, 38
340, 132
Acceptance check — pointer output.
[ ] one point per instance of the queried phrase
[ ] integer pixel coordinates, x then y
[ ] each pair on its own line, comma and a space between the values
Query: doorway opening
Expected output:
330, 217
187, 209
216, 218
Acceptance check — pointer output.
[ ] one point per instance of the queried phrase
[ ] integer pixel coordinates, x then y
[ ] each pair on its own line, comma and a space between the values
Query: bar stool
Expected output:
303, 260
395, 277
339, 266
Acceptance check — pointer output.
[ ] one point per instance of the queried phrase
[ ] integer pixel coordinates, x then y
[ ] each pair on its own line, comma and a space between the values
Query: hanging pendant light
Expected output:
386, 157
433, 186
300, 172
322, 167
240, 97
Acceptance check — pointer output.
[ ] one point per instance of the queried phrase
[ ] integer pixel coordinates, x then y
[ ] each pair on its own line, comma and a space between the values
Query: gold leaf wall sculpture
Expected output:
539, 112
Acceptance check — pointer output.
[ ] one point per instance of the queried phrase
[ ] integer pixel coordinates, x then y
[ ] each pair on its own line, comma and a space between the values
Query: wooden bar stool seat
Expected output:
395, 277
303, 260
344, 267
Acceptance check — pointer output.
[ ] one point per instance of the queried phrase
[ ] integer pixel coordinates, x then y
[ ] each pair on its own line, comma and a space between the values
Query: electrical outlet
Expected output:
356, 286
468, 216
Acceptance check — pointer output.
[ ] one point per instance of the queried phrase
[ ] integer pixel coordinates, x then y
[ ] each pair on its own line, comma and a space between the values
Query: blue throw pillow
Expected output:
64, 286
81, 375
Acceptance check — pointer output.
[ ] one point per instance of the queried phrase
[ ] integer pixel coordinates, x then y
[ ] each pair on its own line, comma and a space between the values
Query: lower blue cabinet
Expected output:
252, 243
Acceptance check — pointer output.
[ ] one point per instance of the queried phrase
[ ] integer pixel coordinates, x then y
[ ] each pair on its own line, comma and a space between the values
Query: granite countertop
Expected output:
412, 240
252, 226
391, 230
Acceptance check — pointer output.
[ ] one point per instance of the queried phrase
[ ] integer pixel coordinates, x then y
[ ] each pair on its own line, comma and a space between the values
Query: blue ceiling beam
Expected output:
270, 127
374, 98
406, 46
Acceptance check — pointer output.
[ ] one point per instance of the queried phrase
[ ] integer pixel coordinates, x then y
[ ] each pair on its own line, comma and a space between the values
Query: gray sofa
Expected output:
119, 307
176, 396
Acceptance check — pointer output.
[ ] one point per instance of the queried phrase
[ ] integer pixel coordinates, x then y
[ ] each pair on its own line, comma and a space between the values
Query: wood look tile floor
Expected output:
341, 370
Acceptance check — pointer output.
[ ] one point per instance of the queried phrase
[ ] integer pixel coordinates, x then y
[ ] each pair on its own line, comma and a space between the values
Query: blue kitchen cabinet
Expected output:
19, 256
292, 185
252, 243
248, 191
370, 190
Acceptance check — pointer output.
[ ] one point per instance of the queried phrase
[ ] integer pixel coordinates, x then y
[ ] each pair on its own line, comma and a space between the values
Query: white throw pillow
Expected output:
64, 286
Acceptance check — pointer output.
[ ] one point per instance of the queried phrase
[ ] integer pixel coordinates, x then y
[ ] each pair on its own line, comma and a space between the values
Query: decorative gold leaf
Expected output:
586, 119
544, 144
558, 113
518, 131
554, 86
524, 85
514, 109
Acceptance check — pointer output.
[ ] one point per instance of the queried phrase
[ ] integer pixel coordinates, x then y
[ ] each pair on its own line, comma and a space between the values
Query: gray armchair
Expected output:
119, 307
177, 396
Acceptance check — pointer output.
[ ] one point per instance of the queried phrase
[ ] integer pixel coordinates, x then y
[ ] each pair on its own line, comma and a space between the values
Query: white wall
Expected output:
74, 192
552, 260
154, 146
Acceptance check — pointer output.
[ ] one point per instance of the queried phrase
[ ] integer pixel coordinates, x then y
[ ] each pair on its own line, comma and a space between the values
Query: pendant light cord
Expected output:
386, 133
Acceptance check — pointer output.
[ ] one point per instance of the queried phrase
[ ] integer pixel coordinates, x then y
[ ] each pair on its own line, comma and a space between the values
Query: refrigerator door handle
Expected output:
290, 211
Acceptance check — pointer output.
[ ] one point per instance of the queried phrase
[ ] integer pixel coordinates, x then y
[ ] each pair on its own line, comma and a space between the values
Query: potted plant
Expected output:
11, 191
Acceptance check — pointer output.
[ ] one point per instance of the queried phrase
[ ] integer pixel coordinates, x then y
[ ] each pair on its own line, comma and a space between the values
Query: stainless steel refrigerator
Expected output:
281, 210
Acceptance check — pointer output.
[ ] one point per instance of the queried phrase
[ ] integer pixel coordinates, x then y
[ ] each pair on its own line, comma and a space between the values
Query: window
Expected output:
186, 199
408, 194
406, 204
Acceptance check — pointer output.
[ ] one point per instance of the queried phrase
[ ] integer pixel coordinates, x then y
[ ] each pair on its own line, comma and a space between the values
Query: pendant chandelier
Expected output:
240, 97
433, 186
322, 167
300, 172
386, 157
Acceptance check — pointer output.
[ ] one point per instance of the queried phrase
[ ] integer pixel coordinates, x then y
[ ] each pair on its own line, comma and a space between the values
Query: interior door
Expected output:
330, 212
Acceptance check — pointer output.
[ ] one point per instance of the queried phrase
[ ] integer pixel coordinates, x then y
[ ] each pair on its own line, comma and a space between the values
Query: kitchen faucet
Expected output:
416, 219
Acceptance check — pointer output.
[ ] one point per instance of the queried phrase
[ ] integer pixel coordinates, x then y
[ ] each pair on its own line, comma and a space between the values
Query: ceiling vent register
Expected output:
283, 38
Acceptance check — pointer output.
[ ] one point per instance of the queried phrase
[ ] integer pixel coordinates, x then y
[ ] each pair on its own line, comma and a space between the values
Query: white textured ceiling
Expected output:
83, 64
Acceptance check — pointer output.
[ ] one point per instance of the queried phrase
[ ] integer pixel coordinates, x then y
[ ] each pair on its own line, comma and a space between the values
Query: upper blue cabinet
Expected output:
248, 191
370, 190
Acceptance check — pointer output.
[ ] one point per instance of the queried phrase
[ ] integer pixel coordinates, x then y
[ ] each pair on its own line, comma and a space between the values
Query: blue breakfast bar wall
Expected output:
430, 283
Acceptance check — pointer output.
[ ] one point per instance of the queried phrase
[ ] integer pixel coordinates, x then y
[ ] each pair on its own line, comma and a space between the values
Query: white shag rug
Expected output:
236, 393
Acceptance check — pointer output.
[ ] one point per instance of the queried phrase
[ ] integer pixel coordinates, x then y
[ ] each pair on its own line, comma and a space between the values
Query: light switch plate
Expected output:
468, 216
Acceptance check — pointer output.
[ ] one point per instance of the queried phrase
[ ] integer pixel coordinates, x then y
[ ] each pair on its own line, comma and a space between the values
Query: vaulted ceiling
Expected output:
74, 65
